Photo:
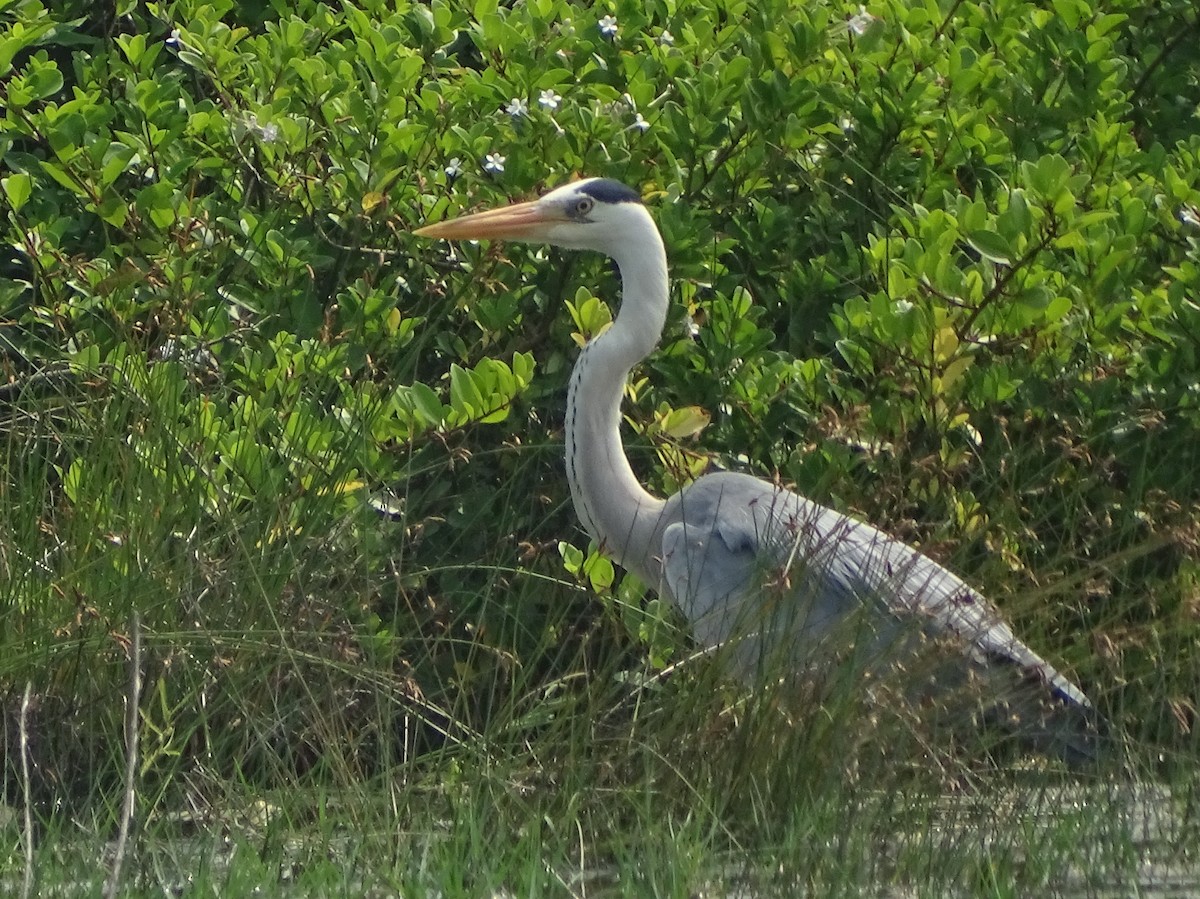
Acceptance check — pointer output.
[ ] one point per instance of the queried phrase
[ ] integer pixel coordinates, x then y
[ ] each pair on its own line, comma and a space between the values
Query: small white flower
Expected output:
267, 132
846, 124
549, 99
608, 26
175, 40
902, 307
494, 163
454, 168
666, 39
862, 22
640, 124
1188, 216
815, 153
517, 107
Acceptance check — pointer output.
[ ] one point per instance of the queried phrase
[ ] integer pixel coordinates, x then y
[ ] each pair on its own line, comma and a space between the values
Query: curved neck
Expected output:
615, 509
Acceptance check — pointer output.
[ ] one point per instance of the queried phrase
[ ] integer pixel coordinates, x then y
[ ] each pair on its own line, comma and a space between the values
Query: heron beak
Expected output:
521, 220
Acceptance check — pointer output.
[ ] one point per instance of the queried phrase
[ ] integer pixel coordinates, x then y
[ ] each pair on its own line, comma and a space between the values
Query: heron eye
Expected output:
584, 205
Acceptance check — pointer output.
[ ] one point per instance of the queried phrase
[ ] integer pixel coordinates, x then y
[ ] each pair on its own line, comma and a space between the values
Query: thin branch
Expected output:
131, 754
27, 886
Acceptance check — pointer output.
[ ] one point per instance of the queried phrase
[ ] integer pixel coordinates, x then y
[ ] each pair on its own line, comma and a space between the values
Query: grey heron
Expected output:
769, 576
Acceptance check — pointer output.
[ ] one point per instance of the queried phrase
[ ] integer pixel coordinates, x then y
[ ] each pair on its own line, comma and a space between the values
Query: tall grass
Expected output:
294, 739
335, 700
366, 671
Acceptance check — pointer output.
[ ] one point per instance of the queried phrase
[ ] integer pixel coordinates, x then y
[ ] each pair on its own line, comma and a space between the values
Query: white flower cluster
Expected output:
552, 101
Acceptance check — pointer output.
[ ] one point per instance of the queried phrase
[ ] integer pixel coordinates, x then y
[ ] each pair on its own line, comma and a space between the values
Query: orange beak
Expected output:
521, 220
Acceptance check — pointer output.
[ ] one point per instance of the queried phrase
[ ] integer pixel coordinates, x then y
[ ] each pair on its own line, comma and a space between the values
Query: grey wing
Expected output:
745, 560
1003, 680
918, 587
709, 577
740, 567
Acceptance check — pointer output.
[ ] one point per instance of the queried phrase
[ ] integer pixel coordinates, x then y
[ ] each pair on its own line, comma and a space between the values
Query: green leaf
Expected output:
73, 481
945, 343
67, 135
953, 373
686, 422
17, 188
857, 357
600, 572
572, 557
133, 46
1071, 12
1048, 176
991, 245
156, 202
116, 161
1105, 23
44, 81
522, 368
1016, 219
736, 69
112, 210
426, 402
15, 39
65, 179
465, 397
998, 383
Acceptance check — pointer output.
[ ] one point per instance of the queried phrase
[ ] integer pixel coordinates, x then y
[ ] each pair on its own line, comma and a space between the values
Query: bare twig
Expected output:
27, 886
131, 753
38, 383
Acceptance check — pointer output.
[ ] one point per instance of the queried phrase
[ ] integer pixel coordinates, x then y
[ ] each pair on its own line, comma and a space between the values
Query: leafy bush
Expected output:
938, 265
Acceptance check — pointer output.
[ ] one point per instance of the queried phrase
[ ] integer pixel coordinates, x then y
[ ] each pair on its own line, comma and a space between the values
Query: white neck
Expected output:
614, 508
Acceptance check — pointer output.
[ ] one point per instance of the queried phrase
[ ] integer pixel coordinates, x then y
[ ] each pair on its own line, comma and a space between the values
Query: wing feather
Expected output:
779, 576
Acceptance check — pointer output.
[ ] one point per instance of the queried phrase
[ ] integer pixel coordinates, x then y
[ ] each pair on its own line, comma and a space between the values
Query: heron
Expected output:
758, 570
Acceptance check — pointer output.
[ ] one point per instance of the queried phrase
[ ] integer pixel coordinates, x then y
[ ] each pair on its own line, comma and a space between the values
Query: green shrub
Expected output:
937, 265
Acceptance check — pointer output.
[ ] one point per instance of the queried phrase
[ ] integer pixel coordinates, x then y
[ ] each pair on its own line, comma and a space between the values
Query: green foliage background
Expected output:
935, 263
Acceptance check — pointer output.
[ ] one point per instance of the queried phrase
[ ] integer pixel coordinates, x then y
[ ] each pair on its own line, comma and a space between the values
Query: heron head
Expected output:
592, 214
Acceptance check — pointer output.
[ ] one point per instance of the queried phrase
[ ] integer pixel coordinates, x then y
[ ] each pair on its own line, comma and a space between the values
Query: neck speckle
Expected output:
619, 514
